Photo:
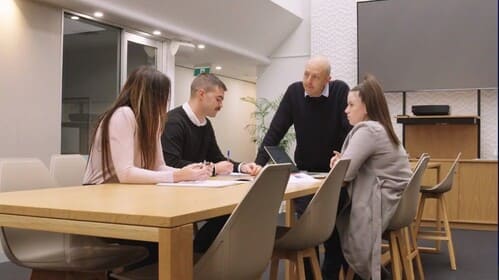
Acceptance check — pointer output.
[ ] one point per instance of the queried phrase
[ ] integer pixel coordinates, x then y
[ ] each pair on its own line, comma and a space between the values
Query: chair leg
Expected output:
274, 268
419, 216
341, 275
316, 269
439, 224
300, 266
448, 233
415, 248
293, 269
395, 254
350, 274
405, 253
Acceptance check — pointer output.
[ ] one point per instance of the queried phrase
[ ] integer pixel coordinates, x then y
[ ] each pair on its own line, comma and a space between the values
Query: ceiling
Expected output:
239, 35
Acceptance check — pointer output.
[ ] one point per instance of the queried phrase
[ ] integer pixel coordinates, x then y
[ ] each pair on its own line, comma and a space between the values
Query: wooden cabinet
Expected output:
472, 201
442, 136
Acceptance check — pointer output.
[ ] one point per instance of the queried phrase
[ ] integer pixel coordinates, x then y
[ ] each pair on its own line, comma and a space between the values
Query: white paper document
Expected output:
300, 178
202, 184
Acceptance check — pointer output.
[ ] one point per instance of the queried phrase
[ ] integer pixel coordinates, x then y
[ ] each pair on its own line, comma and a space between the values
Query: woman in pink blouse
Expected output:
126, 145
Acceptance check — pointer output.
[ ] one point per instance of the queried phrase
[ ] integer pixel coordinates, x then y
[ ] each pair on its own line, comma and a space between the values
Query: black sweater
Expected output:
320, 124
185, 143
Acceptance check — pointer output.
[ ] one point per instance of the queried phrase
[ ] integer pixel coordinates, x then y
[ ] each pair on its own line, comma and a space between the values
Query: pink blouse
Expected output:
126, 165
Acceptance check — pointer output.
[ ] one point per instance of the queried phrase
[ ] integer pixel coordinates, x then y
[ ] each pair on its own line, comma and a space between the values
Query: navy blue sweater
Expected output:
320, 124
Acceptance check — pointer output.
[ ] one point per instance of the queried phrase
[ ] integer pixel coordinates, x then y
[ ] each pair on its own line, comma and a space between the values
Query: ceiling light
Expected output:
201, 46
218, 67
144, 33
98, 14
156, 32
75, 17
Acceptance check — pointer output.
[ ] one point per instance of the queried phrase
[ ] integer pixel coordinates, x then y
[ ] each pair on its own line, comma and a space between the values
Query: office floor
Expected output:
476, 257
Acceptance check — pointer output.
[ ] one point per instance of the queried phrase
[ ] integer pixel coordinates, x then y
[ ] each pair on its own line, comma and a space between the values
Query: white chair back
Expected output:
68, 170
317, 222
408, 205
50, 250
22, 246
244, 246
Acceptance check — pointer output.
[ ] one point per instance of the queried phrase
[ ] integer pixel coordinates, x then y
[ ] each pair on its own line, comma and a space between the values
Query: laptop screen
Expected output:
278, 155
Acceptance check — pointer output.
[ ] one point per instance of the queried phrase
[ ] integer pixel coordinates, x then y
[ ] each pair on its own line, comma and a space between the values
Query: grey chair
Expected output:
48, 251
399, 231
243, 247
313, 227
437, 192
68, 170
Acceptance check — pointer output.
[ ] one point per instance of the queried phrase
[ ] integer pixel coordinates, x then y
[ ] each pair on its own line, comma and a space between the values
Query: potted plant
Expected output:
258, 128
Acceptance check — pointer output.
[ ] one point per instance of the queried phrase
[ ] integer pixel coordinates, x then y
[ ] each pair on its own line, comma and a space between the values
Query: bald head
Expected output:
320, 62
316, 75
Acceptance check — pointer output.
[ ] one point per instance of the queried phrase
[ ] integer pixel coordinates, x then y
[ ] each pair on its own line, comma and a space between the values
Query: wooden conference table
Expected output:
139, 212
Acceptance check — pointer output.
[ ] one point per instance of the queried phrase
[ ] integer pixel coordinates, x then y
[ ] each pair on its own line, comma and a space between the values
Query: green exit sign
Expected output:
200, 70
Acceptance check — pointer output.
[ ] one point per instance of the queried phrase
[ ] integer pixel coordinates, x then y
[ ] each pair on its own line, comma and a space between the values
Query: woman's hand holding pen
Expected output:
193, 172
335, 159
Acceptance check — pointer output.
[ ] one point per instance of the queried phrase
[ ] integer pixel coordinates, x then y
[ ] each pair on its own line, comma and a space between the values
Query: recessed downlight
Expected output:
201, 46
218, 67
144, 33
98, 14
75, 17
156, 32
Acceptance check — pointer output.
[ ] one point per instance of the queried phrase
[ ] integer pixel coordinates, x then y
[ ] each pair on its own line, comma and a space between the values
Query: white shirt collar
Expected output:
325, 91
188, 110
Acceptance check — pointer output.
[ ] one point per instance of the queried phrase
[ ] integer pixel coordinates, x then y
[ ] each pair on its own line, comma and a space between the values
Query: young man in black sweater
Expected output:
315, 106
188, 138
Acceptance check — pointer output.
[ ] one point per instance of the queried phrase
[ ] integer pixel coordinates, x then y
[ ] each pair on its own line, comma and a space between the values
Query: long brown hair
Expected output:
372, 95
146, 92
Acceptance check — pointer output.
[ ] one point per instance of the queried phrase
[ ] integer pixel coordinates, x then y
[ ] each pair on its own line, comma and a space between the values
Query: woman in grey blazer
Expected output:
376, 178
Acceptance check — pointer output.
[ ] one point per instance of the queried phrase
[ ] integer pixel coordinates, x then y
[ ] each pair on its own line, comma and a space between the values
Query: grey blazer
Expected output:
378, 174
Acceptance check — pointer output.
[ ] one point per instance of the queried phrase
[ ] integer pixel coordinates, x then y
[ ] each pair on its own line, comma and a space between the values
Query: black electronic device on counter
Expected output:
430, 110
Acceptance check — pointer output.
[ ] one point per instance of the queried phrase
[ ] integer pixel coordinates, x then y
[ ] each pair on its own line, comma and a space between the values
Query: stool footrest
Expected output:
430, 250
432, 232
430, 237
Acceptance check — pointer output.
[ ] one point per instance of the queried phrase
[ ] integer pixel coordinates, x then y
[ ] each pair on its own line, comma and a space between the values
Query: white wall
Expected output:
287, 61
30, 79
230, 122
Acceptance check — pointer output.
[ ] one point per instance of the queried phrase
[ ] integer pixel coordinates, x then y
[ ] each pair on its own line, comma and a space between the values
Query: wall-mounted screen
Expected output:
428, 44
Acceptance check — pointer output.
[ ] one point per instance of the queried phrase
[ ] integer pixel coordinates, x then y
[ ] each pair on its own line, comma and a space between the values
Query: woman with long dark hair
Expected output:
126, 145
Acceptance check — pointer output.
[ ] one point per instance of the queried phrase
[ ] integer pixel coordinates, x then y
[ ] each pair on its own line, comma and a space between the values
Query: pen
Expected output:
228, 155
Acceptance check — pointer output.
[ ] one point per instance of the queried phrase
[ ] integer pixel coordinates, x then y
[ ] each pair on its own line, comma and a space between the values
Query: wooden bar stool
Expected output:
437, 192
403, 247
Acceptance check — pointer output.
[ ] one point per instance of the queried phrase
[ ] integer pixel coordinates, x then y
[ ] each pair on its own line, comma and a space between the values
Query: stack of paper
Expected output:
301, 178
202, 184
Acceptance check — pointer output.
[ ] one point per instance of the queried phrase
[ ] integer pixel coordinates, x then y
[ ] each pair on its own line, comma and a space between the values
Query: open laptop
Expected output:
278, 155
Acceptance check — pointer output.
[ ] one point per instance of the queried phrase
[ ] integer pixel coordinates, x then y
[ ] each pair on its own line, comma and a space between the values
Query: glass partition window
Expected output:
91, 54
139, 55
97, 59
